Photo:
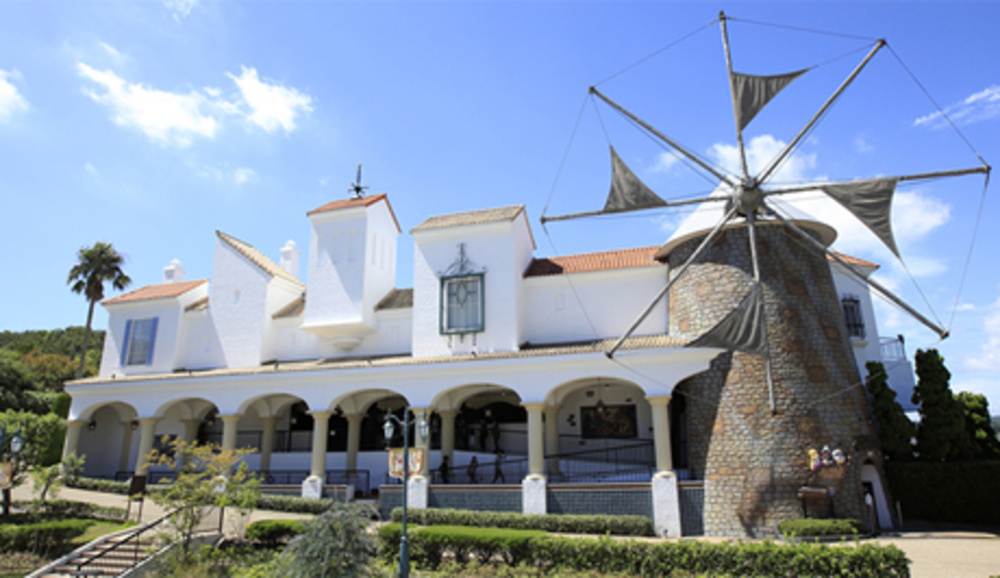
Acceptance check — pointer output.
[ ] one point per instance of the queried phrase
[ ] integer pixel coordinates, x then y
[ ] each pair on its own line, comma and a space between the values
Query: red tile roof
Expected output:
852, 260
155, 292
604, 261
356, 202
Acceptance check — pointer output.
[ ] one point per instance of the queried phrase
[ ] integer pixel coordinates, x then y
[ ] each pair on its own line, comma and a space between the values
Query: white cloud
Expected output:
862, 145
180, 8
665, 162
964, 307
977, 107
273, 106
90, 169
166, 117
760, 151
244, 175
11, 101
989, 354
915, 215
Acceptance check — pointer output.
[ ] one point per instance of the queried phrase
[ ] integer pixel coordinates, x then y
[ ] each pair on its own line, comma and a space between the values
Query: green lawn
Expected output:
98, 529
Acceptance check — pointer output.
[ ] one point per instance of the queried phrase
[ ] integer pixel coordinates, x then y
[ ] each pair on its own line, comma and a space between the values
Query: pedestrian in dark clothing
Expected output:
445, 471
471, 470
495, 431
498, 468
484, 433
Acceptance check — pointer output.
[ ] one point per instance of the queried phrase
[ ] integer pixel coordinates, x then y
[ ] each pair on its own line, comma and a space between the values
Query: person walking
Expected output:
445, 471
471, 470
498, 468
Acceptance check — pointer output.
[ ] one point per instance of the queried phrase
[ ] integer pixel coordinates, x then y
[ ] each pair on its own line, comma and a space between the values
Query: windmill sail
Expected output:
752, 93
871, 202
627, 191
742, 330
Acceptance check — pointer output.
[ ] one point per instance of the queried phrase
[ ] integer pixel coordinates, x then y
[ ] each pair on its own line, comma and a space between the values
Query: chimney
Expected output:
173, 272
290, 259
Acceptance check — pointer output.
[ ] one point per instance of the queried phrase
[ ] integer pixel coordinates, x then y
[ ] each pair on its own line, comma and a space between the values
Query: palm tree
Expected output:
95, 266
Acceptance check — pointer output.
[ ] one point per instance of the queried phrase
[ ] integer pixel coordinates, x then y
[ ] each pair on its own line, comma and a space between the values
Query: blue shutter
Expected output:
152, 341
124, 346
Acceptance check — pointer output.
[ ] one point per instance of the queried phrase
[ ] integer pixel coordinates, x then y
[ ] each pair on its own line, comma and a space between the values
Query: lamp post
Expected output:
16, 446
389, 429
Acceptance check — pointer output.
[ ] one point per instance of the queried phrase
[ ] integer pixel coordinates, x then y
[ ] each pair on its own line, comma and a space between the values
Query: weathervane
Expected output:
356, 188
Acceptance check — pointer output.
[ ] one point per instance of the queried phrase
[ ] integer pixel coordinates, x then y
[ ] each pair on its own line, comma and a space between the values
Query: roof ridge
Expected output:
258, 258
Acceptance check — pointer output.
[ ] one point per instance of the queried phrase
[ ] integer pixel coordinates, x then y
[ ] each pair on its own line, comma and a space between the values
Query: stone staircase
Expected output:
109, 558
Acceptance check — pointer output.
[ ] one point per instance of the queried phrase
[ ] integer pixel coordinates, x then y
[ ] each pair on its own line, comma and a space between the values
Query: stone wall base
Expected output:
533, 497
312, 487
666, 505
416, 492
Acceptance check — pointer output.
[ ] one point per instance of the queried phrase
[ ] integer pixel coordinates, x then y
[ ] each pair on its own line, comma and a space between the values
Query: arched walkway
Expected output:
102, 426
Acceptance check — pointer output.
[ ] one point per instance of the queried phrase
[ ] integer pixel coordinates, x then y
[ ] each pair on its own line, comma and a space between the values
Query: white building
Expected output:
488, 337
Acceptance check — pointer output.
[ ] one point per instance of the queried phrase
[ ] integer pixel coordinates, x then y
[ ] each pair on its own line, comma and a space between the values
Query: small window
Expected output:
462, 304
852, 315
140, 337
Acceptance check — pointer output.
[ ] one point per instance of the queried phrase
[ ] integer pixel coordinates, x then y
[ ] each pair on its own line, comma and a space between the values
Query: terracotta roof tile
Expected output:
356, 202
852, 260
294, 309
496, 215
396, 299
604, 261
161, 291
257, 258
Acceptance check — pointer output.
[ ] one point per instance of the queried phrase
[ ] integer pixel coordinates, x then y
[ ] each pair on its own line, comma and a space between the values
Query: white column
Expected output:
230, 425
312, 487
552, 437
533, 487
72, 441
147, 434
353, 438
666, 499
661, 432
267, 442
448, 434
126, 452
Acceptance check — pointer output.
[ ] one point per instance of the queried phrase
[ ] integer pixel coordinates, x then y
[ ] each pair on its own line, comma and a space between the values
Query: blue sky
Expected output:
151, 124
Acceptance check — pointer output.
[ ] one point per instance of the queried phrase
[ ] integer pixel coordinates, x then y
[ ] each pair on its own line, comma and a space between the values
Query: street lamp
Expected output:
389, 429
16, 446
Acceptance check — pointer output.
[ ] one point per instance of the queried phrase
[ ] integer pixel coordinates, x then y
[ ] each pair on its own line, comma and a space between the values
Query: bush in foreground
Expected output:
561, 523
41, 538
430, 545
817, 527
274, 532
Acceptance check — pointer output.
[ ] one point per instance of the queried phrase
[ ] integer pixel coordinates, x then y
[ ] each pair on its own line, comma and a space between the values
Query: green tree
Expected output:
895, 430
976, 411
95, 266
941, 434
38, 432
205, 477
334, 544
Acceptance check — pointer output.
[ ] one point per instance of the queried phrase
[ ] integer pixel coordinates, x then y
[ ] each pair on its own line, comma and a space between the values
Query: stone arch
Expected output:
271, 404
125, 410
108, 425
187, 408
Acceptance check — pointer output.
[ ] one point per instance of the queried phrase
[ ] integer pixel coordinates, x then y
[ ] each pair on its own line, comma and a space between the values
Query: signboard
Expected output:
6, 475
396, 461
609, 421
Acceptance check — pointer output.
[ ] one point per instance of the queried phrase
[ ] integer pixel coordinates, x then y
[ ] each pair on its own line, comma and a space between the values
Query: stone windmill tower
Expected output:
750, 276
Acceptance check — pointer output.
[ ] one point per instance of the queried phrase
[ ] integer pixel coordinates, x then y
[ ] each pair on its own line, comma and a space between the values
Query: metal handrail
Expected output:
136, 536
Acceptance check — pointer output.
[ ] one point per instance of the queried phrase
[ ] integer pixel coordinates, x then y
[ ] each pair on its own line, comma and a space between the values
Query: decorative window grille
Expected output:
852, 315
462, 304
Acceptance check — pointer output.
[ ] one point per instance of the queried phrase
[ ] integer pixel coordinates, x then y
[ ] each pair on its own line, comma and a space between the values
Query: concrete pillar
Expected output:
230, 425
312, 487
147, 435
661, 432
72, 442
267, 442
552, 437
448, 434
421, 441
536, 441
126, 452
191, 429
353, 438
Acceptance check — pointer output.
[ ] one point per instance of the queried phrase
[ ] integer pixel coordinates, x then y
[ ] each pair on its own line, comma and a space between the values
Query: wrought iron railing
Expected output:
127, 551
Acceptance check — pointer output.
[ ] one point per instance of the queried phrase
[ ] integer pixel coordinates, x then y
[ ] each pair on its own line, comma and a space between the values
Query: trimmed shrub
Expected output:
560, 523
295, 504
73, 509
816, 527
429, 545
274, 532
98, 485
971, 495
42, 537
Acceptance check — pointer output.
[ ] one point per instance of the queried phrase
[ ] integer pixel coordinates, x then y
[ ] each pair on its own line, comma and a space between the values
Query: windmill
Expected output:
748, 200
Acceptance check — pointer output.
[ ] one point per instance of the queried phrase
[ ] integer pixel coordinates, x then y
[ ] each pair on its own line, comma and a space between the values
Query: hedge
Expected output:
42, 537
98, 485
273, 532
561, 523
73, 509
428, 545
815, 527
947, 491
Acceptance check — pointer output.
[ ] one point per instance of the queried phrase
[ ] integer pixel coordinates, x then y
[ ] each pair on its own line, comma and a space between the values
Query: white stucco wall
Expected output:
237, 305
336, 266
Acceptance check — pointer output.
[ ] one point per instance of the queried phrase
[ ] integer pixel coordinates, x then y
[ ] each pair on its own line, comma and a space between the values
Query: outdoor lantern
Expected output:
423, 426
92, 425
388, 429
16, 444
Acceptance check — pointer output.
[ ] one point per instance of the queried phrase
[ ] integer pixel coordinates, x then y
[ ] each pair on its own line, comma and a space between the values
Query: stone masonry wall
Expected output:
753, 462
